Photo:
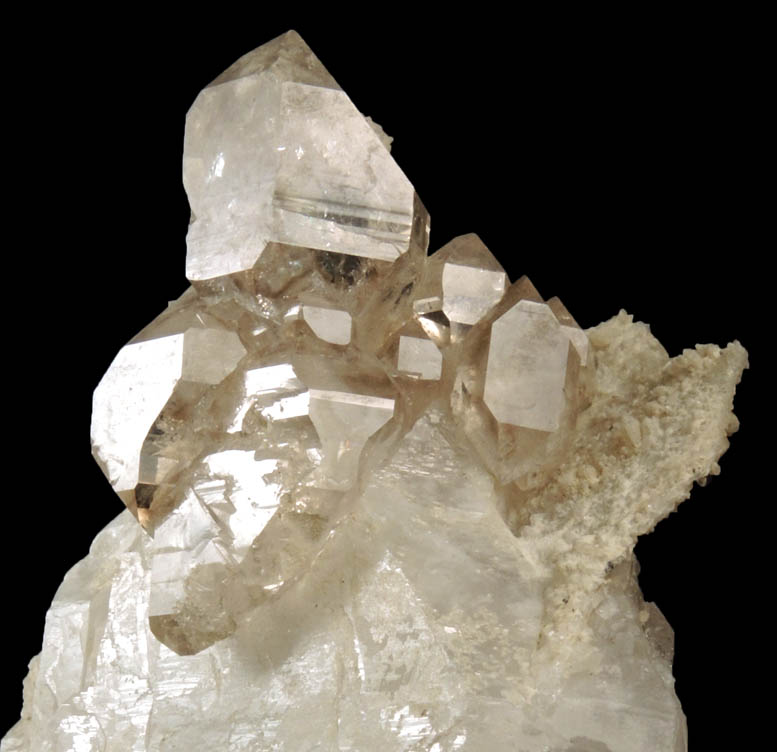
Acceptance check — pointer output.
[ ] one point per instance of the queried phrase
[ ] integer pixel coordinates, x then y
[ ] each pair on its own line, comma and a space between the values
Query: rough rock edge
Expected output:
655, 425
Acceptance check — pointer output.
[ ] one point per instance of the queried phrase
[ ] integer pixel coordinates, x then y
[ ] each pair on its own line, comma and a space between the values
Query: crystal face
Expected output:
376, 500
527, 366
276, 152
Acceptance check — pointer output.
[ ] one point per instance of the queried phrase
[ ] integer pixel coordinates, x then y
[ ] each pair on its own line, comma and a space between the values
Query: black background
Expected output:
617, 162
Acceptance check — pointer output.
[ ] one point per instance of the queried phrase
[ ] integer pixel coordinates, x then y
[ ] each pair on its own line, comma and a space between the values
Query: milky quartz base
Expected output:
425, 623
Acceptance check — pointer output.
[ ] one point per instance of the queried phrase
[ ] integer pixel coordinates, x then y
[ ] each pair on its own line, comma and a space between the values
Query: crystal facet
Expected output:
526, 368
276, 152
461, 283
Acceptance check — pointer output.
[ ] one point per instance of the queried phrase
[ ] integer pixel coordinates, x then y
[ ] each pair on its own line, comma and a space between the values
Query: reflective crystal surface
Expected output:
461, 283
276, 152
419, 357
385, 501
328, 324
526, 368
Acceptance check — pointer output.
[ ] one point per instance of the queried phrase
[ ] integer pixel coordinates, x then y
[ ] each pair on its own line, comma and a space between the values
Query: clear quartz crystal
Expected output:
420, 357
461, 283
378, 509
328, 324
276, 152
526, 367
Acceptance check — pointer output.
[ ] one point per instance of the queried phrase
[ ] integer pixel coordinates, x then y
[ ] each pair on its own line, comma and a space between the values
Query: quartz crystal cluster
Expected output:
386, 501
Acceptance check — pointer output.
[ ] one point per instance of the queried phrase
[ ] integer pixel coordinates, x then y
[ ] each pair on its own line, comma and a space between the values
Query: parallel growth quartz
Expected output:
387, 501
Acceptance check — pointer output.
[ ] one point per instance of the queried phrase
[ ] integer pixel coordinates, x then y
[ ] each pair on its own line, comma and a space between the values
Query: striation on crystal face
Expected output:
277, 122
386, 501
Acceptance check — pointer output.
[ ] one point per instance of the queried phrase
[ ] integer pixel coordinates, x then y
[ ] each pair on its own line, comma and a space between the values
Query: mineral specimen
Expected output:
386, 502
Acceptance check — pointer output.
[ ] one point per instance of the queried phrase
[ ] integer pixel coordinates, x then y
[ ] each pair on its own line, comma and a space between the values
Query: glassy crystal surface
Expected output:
276, 152
461, 283
419, 357
328, 324
386, 501
526, 368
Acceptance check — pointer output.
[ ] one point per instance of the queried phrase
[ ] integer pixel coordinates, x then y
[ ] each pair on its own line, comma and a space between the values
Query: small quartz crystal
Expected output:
376, 500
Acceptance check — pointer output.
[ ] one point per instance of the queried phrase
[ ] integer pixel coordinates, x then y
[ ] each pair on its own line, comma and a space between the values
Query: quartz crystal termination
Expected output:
275, 152
386, 501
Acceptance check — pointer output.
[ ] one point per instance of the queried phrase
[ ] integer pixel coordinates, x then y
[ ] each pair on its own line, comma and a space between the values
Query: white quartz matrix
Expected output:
377, 500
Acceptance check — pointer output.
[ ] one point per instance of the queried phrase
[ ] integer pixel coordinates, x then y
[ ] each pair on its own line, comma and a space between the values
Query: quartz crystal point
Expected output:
461, 283
386, 502
276, 152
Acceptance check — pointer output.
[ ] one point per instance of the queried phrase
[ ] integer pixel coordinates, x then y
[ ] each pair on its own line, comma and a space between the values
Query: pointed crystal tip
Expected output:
276, 152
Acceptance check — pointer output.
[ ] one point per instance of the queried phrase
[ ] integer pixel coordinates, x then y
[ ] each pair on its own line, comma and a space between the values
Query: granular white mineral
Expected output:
386, 501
